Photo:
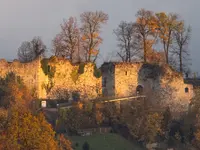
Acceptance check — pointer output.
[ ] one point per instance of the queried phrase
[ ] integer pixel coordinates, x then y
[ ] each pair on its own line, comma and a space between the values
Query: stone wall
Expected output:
126, 79
29, 72
160, 84
47, 76
37, 78
67, 77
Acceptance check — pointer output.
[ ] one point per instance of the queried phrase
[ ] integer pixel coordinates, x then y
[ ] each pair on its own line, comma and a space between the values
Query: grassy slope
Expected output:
104, 142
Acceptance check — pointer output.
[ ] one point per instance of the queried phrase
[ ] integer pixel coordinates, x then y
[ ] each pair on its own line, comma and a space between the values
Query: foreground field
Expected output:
104, 142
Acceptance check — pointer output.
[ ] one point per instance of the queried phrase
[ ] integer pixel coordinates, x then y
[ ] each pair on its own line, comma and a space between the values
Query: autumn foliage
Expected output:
25, 131
166, 31
80, 44
13, 91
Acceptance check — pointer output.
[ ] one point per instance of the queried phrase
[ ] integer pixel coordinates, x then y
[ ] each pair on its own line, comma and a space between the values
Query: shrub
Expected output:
77, 144
97, 72
86, 146
75, 96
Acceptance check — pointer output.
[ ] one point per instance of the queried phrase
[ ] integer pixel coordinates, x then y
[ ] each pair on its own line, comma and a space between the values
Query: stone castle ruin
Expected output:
160, 83
50, 78
46, 77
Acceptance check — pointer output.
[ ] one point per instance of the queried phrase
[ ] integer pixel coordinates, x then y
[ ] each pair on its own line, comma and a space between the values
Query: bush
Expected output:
76, 96
77, 144
86, 146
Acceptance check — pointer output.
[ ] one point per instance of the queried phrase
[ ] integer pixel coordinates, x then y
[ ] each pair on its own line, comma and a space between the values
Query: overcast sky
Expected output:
21, 20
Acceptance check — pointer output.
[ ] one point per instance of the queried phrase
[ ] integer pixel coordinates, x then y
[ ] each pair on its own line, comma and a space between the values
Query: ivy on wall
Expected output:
44, 66
81, 68
97, 72
48, 86
77, 72
74, 75
48, 70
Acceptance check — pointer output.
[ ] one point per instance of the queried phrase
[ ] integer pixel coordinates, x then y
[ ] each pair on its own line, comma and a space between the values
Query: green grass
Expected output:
104, 142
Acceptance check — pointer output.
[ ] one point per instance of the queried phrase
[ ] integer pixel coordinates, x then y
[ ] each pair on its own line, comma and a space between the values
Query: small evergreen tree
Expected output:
86, 146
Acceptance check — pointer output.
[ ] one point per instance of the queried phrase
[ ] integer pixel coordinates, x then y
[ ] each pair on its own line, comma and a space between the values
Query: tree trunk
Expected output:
167, 50
127, 55
145, 49
180, 59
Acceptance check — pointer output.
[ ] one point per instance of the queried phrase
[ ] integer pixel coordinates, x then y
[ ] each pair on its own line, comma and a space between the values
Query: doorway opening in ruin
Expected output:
139, 90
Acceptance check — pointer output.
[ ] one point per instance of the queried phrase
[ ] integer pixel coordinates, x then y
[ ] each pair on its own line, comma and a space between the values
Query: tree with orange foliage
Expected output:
13, 91
64, 143
145, 28
25, 131
154, 56
99, 117
91, 25
167, 24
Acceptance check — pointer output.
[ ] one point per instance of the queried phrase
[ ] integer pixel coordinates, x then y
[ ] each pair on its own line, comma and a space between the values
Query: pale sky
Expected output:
21, 20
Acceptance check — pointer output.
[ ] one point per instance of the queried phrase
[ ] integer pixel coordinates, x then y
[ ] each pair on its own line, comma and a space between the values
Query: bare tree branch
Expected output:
180, 48
128, 41
67, 42
91, 25
28, 51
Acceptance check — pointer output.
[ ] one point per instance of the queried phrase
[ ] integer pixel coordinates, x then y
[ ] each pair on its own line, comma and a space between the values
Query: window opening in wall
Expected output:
126, 73
186, 90
139, 90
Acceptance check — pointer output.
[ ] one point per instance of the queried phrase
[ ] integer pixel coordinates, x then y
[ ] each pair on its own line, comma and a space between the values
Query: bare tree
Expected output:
180, 49
66, 43
39, 48
91, 25
128, 42
28, 51
24, 52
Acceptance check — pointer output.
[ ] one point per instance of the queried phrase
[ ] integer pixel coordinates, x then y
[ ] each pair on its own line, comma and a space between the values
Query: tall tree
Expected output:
128, 42
25, 131
64, 143
30, 50
180, 49
13, 91
91, 25
67, 42
145, 26
167, 24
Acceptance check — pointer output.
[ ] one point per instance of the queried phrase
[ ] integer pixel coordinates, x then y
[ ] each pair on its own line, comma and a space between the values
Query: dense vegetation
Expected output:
20, 128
